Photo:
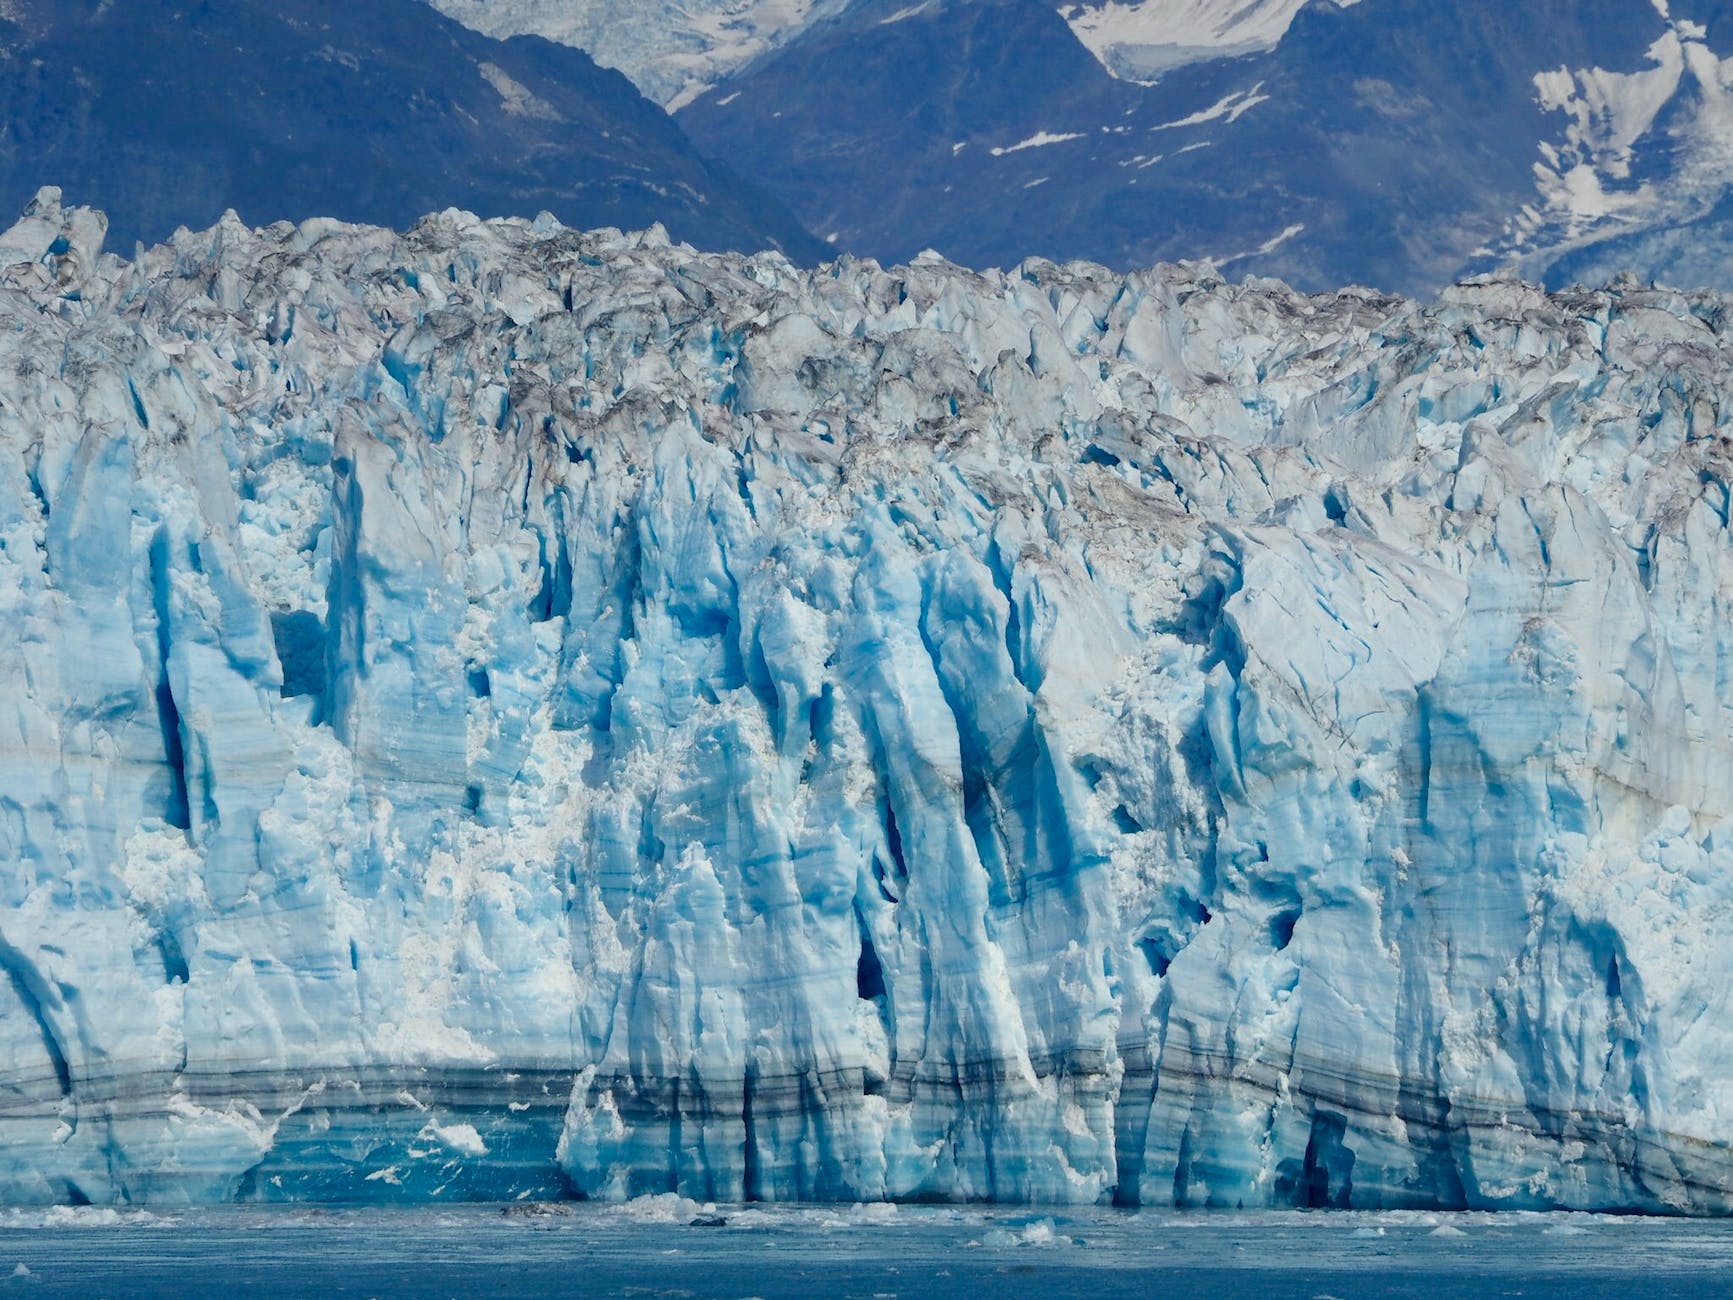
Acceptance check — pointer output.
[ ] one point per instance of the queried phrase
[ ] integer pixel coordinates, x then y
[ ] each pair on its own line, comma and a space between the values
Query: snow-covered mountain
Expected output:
496, 711
676, 51
167, 114
1388, 142
673, 50
1638, 167
1398, 143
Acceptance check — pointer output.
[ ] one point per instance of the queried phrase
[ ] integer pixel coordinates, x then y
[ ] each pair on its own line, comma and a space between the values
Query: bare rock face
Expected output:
501, 711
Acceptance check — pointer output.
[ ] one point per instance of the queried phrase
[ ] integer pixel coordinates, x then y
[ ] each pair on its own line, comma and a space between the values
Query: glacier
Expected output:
1138, 40
495, 711
673, 50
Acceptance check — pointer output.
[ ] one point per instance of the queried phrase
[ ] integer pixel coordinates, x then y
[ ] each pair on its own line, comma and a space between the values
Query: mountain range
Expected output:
1398, 144
1395, 143
167, 112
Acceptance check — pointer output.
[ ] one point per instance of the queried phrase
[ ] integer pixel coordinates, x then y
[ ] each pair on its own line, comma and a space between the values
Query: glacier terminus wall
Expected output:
494, 711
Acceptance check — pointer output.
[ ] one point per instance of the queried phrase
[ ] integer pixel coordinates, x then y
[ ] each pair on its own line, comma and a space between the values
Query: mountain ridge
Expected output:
1390, 142
165, 114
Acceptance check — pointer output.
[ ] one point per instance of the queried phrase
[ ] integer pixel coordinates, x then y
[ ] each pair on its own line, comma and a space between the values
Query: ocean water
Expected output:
667, 1246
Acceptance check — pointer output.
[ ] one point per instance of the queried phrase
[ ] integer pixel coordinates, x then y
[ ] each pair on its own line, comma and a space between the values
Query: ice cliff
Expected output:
495, 711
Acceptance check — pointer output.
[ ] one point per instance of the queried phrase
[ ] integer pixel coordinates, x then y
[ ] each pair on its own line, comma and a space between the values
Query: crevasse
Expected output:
494, 711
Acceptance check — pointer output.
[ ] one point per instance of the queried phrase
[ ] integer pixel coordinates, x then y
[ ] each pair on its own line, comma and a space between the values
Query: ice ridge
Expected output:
496, 711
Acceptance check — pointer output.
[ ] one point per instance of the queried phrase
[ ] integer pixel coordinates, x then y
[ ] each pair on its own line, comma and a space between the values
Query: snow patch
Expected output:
1138, 40
1591, 179
910, 12
1040, 140
1229, 107
519, 99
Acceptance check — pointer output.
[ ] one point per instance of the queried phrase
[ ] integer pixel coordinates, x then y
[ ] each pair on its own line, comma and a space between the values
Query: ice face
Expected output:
496, 711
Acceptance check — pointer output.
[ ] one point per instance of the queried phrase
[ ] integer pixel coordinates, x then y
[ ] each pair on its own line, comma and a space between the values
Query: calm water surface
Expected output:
669, 1247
